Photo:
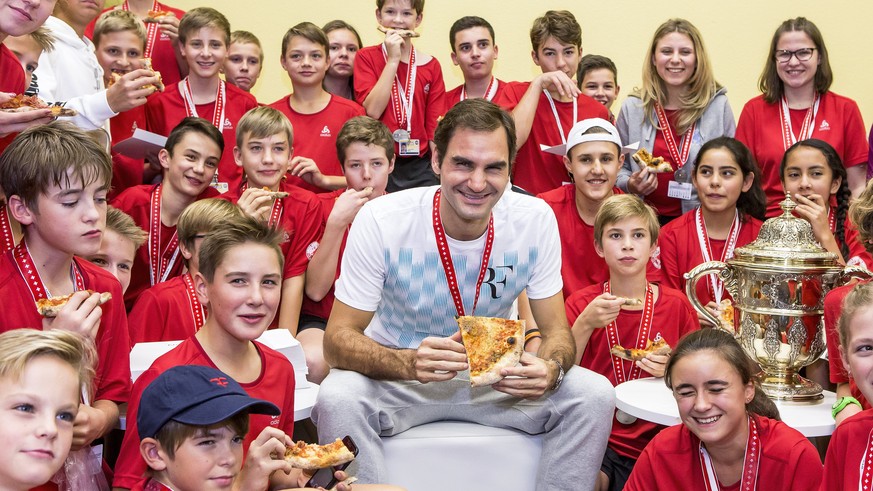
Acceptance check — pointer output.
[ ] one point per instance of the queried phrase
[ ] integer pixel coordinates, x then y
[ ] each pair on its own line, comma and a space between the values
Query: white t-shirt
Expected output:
391, 265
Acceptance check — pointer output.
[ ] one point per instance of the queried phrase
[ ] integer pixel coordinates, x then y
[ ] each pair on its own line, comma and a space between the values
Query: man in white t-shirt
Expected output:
392, 337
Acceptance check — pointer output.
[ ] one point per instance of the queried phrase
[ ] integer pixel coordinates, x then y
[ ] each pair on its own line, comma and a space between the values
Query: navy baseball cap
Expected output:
194, 395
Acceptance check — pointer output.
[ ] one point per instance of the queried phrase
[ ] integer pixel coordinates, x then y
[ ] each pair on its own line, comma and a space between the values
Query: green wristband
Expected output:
841, 404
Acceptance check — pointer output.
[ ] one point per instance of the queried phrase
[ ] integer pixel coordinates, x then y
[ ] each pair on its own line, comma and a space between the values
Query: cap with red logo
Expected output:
194, 395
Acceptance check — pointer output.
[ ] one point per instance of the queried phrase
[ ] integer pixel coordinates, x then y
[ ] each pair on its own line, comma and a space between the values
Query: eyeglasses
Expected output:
802, 54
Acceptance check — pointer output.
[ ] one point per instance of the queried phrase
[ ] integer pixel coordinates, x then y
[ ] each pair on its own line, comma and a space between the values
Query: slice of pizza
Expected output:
159, 85
657, 347
50, 307
313, 456
154, 16
726, 315
23, 103
655, 164
492, 344
403, 32
276, 194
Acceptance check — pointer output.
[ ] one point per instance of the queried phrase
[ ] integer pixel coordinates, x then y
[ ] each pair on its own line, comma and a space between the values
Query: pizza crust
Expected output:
402, 32
644, 159
491, 344
24, 103
51, 307
726, 315
313, 457
659, 347
154, 16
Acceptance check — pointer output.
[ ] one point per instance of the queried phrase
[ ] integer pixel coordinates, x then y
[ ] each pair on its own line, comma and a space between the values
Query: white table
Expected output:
651, 400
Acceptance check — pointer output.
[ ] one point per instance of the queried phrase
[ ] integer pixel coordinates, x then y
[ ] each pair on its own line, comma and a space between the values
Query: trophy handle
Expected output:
854, 272
693, 276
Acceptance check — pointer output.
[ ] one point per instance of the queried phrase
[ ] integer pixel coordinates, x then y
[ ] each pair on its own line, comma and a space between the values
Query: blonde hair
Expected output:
204, 216
236, 232
860, 297
43, 38
19, 346
702, 85
246, 37
200, 17
861, 215
621, 207
122, 224
119, 21
261, 122
366, 130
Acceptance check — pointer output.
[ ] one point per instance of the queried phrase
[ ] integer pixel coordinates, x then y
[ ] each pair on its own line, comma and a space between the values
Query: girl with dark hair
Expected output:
813, 173
730, 436
796, 104
731, 206
344, 45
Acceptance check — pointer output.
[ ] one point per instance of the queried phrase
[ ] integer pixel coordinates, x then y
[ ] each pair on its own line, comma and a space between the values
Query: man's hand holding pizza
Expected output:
531, 379
440, 359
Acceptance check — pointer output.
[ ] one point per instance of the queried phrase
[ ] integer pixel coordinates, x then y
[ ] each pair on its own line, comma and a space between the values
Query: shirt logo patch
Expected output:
274, 421
227, 124
656, 257
325, 131
427, 88
824, 126
310, 250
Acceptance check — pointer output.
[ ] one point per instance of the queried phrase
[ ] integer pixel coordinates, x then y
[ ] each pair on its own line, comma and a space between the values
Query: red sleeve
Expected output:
835, 464
642, 477
833, 305
156, 117
513, 93
858, 255
574, 306
12, 76
308, 230
854, 137
436, 100
130, 467
670, 274
366, 72
804, 469
112, 380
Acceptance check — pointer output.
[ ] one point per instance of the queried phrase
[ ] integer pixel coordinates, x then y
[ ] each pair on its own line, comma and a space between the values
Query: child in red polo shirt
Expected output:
404, 89
597, 77
474, 52
316, 114
263, 151
593, 159
204, 34
546, 108
244, 60
56, 179
366, 150
625, 231
171, 311
189, 161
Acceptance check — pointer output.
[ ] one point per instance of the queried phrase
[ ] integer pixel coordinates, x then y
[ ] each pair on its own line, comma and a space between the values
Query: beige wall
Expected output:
737, 34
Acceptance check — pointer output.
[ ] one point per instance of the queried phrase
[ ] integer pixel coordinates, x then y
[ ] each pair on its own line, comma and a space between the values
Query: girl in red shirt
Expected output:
344, 45
728, 439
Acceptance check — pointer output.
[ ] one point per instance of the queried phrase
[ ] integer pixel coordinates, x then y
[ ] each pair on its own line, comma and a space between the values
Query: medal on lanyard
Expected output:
401, 98
612, 338
558, 119
806, 128
31, 276
679, 155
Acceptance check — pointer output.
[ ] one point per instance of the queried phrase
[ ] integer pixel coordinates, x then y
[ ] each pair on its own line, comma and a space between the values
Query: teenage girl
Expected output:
678, 108
813, 173
731, 205
344, 45
730, 438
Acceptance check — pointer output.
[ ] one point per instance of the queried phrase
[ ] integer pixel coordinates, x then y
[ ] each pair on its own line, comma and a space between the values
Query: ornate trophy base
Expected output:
789, 387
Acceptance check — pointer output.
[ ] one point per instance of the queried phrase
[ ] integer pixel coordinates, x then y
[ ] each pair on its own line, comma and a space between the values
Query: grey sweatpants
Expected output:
575, 420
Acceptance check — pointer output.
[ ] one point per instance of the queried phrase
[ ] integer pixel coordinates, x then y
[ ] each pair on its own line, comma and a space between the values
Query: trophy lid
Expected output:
786, 241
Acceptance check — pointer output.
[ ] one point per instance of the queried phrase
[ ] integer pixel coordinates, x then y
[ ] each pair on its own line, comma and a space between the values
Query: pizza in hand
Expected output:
23, 103
655, 164
154, 16
50, 307
274, 195
312, 456
146, 65
726, 315
491, 344
658, 347
402, 32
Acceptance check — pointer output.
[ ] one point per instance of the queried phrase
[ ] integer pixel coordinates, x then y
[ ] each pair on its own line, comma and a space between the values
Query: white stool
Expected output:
459, 456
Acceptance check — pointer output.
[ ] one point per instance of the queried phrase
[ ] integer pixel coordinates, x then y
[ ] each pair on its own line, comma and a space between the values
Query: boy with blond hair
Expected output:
404, 89
546, 108
264, 144
245, 58
27, 49
189, 161
366, 150
204, 34
121, 239
625, 233
171, 311
48, 370
316, 114
56, 179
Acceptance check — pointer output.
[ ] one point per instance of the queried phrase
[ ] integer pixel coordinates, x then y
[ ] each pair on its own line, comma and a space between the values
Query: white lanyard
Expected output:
558, 119
706, 249
402, 96
220, 101
490, 92
806, 128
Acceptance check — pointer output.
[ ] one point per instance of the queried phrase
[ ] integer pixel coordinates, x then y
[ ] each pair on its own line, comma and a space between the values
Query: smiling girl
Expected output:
731, 205
728, 439
678, 108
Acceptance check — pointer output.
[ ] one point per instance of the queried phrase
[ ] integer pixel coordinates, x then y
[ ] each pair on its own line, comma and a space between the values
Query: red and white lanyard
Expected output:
151, 29
832, 220
275, 212
751, 460
160, 262
198, 311
446, 257
6, 230
865, 470
716, 287
401, 96
612, 338
220, 102
806, 128
490, 92
558, 119
31, 276
678, 155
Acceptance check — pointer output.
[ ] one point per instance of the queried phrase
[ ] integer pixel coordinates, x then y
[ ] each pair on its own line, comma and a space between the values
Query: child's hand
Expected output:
15, 122
812, 209
642, 182
600, 312
131, 90
170, 25
560, 82
80, 315
393, 45
654, 364
347, 206
89, 425
256, 203
712, 307
307, 169
266, 455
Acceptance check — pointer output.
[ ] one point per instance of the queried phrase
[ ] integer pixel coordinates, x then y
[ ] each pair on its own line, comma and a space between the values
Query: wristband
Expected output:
531, 335
841, 404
